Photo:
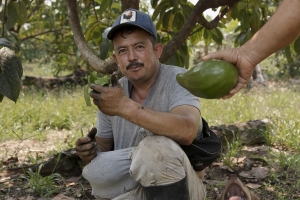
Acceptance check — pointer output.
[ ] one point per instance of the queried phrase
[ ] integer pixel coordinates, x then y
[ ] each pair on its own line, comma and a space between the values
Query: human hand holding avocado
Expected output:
281, 30
211, 79
236, 58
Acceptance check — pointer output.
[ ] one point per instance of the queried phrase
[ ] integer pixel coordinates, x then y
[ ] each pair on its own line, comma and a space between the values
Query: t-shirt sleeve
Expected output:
181, 96
104, 127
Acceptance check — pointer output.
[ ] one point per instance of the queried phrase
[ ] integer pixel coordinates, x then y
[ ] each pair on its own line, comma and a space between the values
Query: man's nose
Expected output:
131, 55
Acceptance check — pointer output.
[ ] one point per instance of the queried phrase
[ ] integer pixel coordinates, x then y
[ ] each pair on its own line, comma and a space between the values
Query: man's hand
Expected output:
110, 100
86, 147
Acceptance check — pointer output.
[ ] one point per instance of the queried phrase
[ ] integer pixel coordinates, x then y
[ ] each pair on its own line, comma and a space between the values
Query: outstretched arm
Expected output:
282, 29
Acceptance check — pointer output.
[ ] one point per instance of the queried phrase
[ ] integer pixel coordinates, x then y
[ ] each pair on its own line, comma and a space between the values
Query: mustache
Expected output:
138, 64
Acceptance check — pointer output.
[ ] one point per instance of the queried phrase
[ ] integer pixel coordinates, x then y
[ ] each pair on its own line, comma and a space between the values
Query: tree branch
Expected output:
130, 4
214, 23
104, 67
202, 5
42, 33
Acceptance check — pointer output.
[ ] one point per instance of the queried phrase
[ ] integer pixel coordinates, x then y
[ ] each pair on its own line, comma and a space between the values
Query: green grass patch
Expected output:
280, 105
37, 112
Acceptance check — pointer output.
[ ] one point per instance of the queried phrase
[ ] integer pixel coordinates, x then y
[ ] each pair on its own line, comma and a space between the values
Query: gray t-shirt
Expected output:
164, 95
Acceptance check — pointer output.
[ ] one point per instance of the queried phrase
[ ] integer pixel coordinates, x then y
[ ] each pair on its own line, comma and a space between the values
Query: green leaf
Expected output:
174, 3
21, 11
235, 12
241, 5
245, 20
221, 25
255, 19
11, 73
87, 95
92, 77
178, 20
167, 22
288, 54
237, 29
161, 8
5, 42
173, 60
240, 38
297, 45
207, 37
216, 35
12, 15
104, 5
104, 48
116, 6
196, 37
102, 80
154, 3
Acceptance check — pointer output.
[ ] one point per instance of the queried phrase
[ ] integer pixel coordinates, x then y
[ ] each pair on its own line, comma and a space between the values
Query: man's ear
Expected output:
158, 49
115, 59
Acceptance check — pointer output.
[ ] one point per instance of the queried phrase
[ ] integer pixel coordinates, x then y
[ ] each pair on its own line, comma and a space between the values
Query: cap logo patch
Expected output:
128, 16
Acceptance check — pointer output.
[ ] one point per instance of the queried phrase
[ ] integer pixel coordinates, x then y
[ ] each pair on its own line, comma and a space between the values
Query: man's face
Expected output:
136, 56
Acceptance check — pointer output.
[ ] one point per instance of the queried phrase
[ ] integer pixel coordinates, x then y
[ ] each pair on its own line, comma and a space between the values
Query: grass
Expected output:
280, 105
38, 112
36, 69
44, 186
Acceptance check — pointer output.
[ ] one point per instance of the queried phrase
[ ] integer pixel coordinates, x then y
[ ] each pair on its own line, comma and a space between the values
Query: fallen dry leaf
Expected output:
73, 179
61, 197
30, 197
253, 186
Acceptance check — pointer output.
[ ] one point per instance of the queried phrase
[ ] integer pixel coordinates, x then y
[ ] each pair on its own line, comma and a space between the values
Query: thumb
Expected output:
114, 79
92, 133
214, 55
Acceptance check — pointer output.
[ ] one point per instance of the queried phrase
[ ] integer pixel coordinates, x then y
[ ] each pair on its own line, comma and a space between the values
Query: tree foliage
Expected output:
68, 33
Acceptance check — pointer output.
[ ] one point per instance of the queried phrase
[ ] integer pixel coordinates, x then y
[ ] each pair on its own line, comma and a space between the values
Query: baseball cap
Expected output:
135, 18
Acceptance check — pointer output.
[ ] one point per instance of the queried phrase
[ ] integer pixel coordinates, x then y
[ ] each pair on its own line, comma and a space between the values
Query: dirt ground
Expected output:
250, 166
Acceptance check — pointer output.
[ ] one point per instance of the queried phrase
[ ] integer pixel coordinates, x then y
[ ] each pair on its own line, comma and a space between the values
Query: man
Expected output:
142, 122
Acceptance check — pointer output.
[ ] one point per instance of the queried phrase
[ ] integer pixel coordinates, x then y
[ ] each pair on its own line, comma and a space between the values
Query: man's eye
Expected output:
139, 47
122, 51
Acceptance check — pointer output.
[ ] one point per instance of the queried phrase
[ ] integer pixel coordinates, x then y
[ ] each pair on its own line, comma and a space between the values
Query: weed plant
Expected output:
44, 186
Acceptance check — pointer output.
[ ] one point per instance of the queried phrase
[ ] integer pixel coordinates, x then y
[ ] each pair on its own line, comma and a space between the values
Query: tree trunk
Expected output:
130, 4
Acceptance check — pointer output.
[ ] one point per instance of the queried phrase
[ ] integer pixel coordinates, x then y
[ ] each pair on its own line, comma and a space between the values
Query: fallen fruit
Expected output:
211, 79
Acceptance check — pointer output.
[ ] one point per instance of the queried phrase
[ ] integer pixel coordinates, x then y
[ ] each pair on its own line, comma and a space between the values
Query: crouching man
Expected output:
141, 123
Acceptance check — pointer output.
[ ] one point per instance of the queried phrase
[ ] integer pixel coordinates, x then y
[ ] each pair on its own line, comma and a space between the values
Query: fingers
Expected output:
240, 85
209, 56
114, 79
96, 88
86, 149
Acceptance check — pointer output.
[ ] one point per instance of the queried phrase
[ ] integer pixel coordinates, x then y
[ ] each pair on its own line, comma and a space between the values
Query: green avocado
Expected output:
211, 79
